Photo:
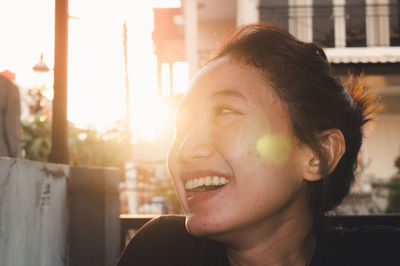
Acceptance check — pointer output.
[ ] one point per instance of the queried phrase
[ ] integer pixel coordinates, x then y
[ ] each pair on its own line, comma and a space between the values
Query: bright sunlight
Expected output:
96, 80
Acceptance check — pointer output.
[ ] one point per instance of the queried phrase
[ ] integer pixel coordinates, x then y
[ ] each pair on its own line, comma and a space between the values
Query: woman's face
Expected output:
234, 161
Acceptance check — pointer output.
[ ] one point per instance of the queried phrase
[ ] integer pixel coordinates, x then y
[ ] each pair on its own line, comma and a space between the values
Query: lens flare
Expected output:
274, 149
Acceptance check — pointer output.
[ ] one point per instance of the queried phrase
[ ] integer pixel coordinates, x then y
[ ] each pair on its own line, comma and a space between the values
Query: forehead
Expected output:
227, 78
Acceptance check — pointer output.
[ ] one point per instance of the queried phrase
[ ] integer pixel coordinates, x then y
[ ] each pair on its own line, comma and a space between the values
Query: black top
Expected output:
165, 241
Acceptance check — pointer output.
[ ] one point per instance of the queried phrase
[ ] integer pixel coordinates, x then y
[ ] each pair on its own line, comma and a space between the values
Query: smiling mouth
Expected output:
205, 183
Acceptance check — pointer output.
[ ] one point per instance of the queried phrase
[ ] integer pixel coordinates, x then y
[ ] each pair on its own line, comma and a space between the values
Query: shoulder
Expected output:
163, 227
367, 245
154, 240
374, 241
165, 241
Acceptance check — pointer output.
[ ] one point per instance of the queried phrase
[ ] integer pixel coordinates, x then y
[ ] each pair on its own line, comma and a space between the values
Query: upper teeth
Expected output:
206, 181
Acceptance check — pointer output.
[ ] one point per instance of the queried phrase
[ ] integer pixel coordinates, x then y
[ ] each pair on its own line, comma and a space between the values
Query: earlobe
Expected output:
333, 147
312, 170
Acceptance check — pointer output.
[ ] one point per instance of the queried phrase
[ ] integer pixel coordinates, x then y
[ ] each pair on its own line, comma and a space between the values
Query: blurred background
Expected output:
130, 61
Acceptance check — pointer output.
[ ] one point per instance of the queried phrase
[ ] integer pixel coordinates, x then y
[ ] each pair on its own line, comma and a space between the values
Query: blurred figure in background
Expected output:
10, 111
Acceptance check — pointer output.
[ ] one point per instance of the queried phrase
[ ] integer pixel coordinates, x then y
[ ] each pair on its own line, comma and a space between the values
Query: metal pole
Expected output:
59, 138
128, 94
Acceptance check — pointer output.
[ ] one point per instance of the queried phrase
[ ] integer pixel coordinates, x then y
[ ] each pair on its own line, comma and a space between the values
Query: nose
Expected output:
196, 144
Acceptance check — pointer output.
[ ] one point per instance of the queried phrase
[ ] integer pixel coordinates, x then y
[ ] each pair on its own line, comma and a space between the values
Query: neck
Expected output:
288, 242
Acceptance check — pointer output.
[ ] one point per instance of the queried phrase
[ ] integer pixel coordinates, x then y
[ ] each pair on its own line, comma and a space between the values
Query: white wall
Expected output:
33, 213
247, 12
382, 145
211, 34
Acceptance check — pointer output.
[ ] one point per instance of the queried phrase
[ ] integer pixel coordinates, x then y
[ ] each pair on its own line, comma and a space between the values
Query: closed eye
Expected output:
226, 111
223, 110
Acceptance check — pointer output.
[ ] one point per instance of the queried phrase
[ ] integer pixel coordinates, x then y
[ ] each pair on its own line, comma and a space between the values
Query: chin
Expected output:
204, 226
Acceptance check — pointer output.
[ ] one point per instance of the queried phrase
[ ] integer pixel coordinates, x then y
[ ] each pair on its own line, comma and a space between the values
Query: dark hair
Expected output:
316, 100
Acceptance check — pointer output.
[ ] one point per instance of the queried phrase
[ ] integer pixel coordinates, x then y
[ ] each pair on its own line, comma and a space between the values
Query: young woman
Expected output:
266, 143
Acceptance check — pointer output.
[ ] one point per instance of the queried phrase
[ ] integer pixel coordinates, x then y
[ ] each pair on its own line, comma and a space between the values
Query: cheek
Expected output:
243, 147
257, 143
267, 188
272, 173
235, 144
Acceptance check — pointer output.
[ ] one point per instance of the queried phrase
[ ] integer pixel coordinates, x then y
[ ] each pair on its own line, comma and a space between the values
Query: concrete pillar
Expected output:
94, 216
300, 19
247, 12
191, 35
377, 22
339, 22
33, 213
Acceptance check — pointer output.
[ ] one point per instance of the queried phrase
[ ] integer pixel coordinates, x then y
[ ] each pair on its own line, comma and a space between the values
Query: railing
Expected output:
135, 222
323, 20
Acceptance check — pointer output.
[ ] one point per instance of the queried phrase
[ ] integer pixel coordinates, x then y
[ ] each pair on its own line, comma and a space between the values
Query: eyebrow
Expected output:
229, 93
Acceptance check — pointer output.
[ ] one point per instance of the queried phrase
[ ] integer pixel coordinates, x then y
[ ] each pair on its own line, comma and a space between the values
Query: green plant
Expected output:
36, 137
91, 147
87, 146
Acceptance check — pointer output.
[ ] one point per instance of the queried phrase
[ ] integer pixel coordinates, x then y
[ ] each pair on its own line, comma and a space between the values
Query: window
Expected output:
323, 23
275, 12
337, 23
355, 24
394, 13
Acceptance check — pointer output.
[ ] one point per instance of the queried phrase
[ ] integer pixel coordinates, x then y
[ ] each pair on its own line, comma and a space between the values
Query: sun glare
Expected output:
274, 148
152, 120
96, 73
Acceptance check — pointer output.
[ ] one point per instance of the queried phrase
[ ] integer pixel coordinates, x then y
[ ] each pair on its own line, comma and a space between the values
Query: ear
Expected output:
333, 147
